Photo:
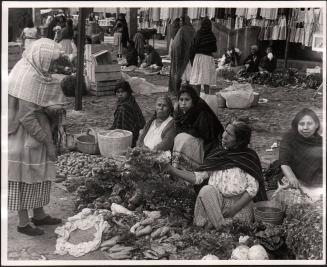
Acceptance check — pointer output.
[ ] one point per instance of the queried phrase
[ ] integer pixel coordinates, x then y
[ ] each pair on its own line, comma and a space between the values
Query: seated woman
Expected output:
128, 115
198, 129
234, 177
268, 62
300, 152
252, 61
159, 132
131, 55
152, 58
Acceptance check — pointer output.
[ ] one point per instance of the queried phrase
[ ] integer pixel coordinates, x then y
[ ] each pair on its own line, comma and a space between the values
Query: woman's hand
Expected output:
230, 212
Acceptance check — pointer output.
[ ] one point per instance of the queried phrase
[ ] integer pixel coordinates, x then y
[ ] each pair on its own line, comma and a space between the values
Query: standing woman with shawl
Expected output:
180, 54
65, 38
300, 152
128, 115
139, 44
203, 64
234, 180
174, 30
159, 132
34, 102
198, 130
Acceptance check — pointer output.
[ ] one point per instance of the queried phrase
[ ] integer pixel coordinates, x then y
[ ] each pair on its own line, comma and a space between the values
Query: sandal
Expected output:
47, 220
30, 229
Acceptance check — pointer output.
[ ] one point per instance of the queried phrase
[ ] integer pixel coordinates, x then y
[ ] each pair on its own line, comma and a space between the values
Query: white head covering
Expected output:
30, 79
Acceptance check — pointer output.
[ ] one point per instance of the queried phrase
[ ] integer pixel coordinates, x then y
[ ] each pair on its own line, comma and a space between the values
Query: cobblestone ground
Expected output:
269, 121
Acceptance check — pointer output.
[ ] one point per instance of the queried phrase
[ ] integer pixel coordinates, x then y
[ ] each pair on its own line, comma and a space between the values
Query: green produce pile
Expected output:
139, 185
290, 77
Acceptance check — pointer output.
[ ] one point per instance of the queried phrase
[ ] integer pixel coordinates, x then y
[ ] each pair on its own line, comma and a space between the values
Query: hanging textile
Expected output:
220, 13
192, 12
252, 13
211, 12
282, 28
242, 12
164, 13
203, 12
175, 13
155, 14
269, 13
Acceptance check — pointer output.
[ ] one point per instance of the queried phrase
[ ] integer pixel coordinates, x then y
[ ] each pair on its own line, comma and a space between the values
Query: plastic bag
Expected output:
238, 95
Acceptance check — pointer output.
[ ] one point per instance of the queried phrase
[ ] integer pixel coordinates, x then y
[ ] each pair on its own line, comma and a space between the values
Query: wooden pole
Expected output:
288, 29
80, 58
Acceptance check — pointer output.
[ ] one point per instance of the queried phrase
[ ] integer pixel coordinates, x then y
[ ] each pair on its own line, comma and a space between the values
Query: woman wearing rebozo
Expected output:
300, 153
198, 130
128, 115
34, 99
234, 178
159, 132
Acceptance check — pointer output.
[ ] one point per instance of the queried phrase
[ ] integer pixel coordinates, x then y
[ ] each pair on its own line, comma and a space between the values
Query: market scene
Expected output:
176, 133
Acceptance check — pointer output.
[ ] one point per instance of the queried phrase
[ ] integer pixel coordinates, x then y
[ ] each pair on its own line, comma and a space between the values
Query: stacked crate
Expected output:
14, 54
102, 74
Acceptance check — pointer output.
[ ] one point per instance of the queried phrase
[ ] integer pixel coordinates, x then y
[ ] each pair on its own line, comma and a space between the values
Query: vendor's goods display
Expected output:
149, 216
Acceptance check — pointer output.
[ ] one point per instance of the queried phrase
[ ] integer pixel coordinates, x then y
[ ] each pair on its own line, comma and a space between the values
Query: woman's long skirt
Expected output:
203, 70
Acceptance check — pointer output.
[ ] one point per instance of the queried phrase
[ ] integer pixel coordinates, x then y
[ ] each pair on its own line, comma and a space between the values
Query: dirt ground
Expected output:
269, 120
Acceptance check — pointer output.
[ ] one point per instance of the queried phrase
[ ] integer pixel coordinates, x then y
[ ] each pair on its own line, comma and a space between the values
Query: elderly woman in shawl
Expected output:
233, 176
300, 152
180, 55
203, 64
65, 37
34, 102
269, 62
159, 132
128, 115
198, 130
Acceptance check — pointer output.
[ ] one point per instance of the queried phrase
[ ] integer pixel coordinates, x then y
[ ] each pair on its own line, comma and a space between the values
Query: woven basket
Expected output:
269, 212
110, 144
87, 143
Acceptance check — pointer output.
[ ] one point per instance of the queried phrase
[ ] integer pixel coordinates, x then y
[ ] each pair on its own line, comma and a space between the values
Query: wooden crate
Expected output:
107, 76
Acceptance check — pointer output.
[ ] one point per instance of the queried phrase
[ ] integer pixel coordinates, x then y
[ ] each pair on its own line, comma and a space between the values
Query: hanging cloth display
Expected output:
211, 12
242, 12
282, 28
155, 14
164, 13
252, 13
192, 12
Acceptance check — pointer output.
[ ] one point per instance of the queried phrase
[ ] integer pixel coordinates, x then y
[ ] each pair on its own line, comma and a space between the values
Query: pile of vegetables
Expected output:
290, 77
150, 214
304, 227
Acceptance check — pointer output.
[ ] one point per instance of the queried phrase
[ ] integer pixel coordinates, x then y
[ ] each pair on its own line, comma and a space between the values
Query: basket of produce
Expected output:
114, 142
269, 212
87, 143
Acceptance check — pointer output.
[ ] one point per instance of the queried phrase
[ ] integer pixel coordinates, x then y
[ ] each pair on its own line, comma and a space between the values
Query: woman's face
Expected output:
307, 126
121, 94
185, 102
162, 109
229, 137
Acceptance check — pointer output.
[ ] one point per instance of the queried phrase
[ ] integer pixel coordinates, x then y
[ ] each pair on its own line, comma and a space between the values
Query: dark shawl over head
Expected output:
245, 159
128, 116
175, 28
180, 54
204, 41
199, 121
304, 156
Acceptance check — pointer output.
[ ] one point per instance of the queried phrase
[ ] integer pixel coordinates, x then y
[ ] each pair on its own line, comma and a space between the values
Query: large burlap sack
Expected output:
238, 95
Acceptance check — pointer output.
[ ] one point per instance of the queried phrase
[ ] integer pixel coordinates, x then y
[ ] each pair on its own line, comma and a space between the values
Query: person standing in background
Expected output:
174, 30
